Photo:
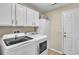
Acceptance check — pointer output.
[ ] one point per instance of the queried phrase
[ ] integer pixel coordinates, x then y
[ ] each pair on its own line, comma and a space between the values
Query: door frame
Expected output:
62, 30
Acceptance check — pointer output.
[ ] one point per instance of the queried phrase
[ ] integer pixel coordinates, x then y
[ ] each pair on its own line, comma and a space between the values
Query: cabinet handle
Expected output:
12, 21
16, 21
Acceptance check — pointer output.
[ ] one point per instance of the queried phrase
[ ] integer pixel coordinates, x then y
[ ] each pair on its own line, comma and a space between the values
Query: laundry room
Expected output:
39, 28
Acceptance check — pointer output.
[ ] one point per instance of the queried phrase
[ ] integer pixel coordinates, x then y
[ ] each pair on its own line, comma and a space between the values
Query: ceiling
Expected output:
45, 7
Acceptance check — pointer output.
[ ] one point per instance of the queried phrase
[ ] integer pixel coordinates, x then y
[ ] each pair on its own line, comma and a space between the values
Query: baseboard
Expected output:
56, 51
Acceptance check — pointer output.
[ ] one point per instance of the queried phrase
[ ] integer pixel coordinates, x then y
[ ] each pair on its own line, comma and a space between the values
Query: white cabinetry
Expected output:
25, 16
29, 17
20, 15
32, 17
36, 18
5, 14
17, 15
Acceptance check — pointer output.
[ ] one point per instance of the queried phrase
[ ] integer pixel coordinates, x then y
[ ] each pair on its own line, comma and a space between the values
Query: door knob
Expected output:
64, 35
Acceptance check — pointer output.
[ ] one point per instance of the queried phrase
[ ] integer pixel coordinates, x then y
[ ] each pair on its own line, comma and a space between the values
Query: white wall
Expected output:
55, 17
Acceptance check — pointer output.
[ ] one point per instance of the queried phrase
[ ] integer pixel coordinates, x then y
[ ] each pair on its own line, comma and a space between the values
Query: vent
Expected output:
53, 3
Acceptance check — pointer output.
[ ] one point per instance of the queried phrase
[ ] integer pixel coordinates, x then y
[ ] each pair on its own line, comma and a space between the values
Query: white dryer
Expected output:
41, 44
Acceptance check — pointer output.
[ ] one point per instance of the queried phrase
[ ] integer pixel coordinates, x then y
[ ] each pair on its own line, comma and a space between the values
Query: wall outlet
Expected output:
17, 31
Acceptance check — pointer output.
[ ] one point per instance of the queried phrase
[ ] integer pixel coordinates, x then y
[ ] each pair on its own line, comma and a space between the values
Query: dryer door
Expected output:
42, 47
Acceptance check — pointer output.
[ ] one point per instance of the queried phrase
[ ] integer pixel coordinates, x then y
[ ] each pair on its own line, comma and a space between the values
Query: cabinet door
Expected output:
5, 14
13, 14
20, 15
30, 17
36, 18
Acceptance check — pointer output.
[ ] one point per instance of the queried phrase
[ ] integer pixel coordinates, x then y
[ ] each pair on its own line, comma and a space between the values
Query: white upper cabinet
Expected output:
32, 17
20, 15
25, 16
12, 14
36, 18
29, 17
5, 14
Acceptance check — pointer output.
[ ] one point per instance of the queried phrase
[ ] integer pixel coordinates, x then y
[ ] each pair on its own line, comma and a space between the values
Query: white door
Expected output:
5, 14
71, 32
20, 15
67, 33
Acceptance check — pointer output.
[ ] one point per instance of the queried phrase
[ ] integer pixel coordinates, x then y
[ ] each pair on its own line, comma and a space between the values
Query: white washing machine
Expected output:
20, 45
